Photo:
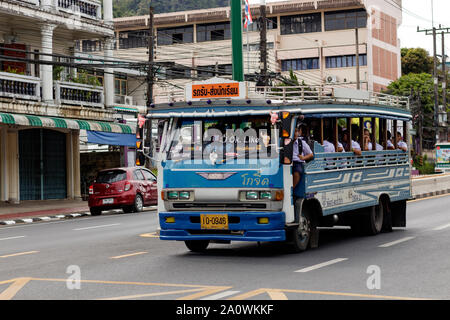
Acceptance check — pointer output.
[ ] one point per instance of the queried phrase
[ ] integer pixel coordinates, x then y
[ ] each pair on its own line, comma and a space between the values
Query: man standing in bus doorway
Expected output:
302, 153
400, 143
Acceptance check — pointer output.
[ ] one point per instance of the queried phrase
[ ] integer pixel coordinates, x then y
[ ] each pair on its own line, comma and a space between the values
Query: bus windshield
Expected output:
223, 139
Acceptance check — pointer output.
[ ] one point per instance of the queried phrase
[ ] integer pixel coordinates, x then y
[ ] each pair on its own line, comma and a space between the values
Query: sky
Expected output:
418, 13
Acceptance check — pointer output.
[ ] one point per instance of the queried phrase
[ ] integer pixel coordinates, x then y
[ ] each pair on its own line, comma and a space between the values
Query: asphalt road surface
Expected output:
120, 257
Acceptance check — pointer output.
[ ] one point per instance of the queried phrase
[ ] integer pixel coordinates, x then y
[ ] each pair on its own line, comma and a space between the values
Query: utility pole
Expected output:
151, 58
444, 75
433, 32
358, 81
263, 44
236, 40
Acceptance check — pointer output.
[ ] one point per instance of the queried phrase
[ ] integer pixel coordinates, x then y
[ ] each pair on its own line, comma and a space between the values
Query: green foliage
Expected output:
416, 60
14, 70
424, 166
57, 70
420, 83
126, 8
84, 78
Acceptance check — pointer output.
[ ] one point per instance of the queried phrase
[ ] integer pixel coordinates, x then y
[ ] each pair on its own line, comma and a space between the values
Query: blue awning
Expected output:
112, 139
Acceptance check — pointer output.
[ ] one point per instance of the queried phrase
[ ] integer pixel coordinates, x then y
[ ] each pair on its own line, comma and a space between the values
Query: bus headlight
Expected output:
172, 195
184, 195
252, 195
265, 195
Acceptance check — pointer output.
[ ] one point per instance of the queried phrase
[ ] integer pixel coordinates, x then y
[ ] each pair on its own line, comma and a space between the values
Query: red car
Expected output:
129, 189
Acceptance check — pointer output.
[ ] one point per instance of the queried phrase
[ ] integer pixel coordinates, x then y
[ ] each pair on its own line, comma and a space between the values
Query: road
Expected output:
120, 257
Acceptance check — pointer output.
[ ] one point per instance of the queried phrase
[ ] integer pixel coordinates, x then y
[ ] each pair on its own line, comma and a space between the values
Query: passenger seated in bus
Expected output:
390, 145
327, 145
354, 145
368, 140
302, 153
400, 143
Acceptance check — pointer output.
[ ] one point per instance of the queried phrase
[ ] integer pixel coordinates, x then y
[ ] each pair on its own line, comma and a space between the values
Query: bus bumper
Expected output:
243, 226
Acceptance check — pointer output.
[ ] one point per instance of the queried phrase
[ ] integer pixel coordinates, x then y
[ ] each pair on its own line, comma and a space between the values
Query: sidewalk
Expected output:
33, 209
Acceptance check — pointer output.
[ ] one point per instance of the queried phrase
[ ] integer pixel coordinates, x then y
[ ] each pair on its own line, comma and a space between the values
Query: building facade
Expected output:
314, 39
44, 100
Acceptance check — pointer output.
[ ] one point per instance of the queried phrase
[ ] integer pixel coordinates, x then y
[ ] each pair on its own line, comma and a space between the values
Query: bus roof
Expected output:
320, 109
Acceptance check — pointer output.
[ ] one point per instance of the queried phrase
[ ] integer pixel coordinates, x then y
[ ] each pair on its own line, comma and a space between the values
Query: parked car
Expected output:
129, 189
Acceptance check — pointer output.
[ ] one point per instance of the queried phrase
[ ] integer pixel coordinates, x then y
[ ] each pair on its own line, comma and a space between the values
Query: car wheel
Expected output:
138, 204
95, 211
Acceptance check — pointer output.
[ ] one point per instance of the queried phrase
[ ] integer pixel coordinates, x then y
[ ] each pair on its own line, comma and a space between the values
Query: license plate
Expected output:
214, 221
108, 201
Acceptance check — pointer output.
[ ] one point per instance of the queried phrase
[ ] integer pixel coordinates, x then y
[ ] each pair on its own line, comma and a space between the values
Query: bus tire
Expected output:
197, 245
372, 220
387, 216
299, 238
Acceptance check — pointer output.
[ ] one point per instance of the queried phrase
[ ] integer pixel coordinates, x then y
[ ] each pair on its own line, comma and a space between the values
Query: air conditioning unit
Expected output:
125, 100
331, 79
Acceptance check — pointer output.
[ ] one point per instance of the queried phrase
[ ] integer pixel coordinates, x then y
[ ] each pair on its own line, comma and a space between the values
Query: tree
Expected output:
416, 60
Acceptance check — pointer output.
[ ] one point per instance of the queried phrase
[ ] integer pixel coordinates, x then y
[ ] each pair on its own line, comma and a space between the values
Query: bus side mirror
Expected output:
286, 124
286, 153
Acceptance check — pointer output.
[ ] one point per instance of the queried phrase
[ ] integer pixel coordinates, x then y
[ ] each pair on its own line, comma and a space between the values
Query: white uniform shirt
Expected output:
355, 145
306, 151
328, 147
402, 144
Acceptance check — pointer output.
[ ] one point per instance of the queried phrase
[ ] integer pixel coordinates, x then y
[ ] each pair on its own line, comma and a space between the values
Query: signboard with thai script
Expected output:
216, 88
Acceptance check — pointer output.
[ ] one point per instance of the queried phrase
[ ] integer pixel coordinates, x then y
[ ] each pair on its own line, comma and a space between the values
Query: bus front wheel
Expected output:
300, 237
197, 245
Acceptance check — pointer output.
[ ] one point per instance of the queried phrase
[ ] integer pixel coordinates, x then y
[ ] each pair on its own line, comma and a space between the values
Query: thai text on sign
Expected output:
222, 90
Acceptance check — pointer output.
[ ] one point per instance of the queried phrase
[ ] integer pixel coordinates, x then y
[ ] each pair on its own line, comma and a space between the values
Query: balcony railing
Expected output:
19, 86
86, 8
78, 94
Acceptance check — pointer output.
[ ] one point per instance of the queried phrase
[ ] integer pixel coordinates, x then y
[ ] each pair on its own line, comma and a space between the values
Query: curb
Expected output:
431, 194
57, 217
45, 219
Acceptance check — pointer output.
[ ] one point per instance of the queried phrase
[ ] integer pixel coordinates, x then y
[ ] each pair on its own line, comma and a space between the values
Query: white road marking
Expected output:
220, 295
103, 226
11, 238
393, 243
321, 265
442, 227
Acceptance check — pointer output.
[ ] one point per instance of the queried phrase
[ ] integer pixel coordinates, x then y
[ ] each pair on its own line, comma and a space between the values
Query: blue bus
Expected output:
225, 169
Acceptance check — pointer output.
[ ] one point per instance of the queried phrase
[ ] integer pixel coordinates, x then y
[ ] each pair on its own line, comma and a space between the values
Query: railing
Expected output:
86, 8
35, 2
329, 93
19, 86
78, 94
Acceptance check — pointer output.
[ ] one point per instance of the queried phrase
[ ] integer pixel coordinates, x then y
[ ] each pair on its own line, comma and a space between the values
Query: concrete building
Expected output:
43, 106
315, 39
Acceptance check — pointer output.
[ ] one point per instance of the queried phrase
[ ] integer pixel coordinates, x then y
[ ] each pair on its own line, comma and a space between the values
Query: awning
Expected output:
112, 139
65, 123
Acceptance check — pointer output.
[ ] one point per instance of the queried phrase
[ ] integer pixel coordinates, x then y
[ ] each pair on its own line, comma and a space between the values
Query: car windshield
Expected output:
111, 176
223, 139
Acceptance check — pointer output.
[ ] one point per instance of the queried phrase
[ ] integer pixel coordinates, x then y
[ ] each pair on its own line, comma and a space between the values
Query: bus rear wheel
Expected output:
370, 221
197, 245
